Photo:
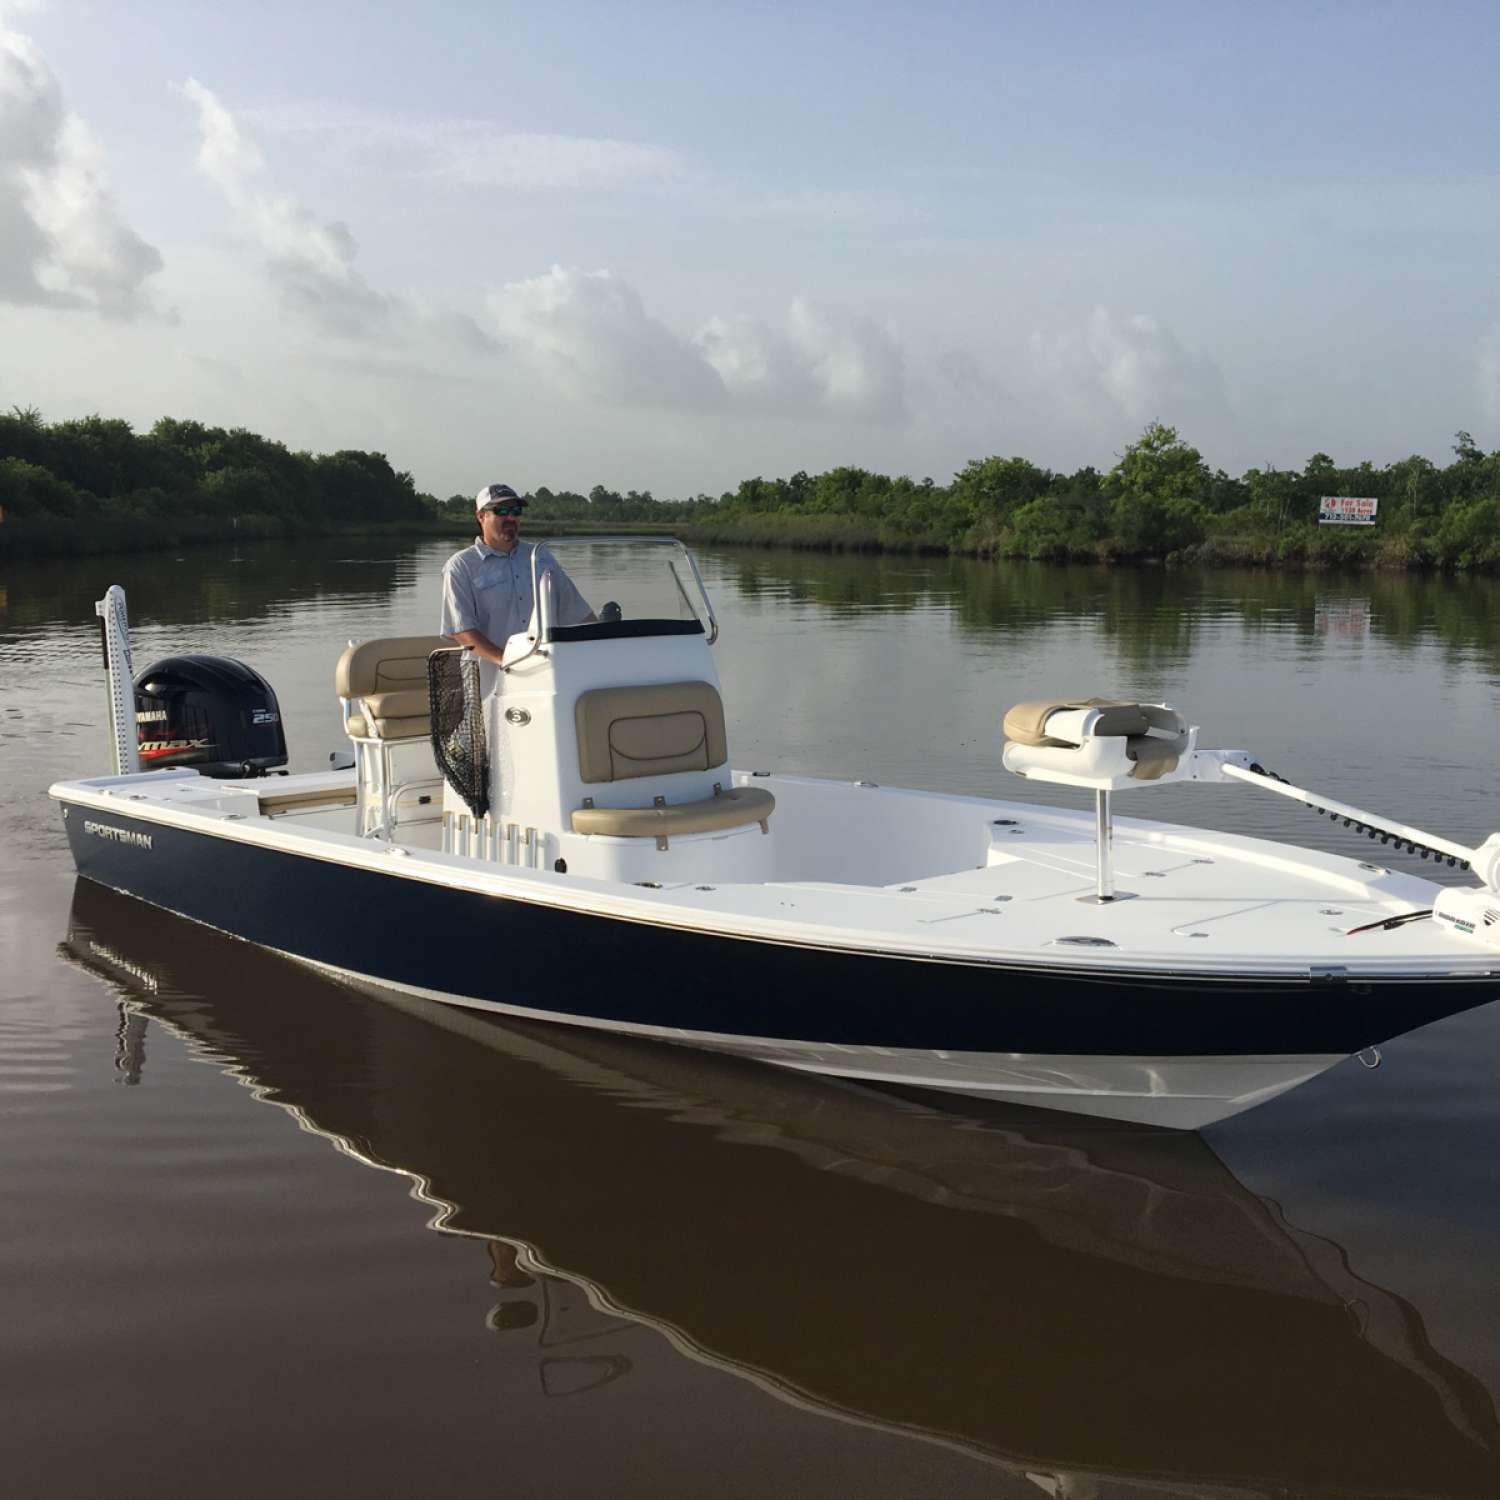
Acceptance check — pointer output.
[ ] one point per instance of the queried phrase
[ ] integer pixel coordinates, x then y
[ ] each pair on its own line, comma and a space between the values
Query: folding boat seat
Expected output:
1102, 744
382, 687
1099, 742
651, 731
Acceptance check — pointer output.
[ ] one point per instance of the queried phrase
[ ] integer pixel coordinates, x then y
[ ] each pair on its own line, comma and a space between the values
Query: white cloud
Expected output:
590, 334
476, 153
62, 242
312, 263
824, 359
1487, 373
1134, 365
857, 363
758, 364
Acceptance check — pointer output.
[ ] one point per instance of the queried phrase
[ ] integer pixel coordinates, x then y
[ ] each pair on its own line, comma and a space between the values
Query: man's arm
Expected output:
480, 644
460, 613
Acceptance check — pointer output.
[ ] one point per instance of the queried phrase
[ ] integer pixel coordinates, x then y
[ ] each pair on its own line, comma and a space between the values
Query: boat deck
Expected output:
912, 873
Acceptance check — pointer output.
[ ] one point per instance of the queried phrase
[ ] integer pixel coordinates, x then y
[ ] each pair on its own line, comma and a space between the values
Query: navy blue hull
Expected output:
584, 967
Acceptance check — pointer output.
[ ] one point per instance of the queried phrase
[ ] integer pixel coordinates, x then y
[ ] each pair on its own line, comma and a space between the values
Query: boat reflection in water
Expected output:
1103, 1310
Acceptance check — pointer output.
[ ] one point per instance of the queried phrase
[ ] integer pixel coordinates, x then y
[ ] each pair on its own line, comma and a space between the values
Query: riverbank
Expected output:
51, 536
1302, 548
55, 536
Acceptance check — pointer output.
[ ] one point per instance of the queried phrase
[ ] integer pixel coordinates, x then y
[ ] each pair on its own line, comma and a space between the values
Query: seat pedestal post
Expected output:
1105, 838
1104, 842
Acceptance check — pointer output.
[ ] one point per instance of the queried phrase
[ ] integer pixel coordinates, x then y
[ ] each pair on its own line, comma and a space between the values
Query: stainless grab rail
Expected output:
543, 597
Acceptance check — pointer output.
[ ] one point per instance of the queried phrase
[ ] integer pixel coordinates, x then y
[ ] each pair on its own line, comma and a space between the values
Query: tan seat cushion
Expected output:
1153, 757
410, 703
1023, 723
388, 665
364, 727
392, 716
656, 729
402, 715
386, 683
284, 802
736, 808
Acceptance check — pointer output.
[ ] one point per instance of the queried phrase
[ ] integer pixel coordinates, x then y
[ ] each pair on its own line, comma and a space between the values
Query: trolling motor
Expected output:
210, 713
1108, 746
1467, 912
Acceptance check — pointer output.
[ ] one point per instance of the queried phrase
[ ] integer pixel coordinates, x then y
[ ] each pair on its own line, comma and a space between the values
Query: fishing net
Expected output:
458, 742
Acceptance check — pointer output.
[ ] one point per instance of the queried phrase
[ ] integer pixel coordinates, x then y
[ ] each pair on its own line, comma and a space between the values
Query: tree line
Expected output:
1160, 500
95, 484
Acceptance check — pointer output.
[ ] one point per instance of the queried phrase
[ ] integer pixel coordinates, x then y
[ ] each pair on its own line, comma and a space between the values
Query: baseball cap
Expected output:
496, 494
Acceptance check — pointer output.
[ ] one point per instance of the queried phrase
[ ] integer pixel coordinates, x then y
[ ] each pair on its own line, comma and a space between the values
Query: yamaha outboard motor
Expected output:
212, 713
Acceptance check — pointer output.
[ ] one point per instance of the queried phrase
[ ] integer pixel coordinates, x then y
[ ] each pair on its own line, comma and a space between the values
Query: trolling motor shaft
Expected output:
1485, 860
1469, 914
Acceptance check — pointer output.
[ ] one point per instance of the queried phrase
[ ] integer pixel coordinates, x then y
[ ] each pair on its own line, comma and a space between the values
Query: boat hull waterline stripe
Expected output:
1182, 1092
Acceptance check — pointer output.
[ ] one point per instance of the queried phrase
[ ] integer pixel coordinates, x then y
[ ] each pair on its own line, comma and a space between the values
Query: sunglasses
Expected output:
503, 510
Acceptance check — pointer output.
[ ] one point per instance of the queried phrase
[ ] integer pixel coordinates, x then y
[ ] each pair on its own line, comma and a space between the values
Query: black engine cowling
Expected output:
212, 713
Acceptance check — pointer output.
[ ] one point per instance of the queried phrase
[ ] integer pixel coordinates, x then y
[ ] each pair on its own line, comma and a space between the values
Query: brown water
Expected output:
263, 1233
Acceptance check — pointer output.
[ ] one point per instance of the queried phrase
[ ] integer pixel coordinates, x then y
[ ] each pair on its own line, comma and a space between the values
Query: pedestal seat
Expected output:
1104, 743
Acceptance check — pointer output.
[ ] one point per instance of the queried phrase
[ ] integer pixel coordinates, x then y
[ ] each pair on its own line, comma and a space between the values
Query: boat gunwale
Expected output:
543, 888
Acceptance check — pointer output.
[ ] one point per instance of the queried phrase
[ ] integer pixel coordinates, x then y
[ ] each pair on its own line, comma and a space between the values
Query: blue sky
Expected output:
669, 246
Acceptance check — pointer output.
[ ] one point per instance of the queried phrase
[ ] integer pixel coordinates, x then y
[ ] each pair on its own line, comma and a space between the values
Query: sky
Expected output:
670, 246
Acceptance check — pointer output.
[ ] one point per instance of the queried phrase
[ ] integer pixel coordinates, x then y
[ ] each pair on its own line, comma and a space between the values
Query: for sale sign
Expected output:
1346, 510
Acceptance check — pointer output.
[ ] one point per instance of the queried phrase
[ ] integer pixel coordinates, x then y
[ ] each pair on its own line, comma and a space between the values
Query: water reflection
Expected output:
1153, 616
1104, 1311
130, 1044
572, 1332
206, 585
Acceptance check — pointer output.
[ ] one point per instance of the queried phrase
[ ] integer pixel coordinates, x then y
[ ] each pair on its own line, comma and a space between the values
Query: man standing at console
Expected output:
487, 587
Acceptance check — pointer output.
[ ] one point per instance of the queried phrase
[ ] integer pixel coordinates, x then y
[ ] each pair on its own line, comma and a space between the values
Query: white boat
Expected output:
574, 845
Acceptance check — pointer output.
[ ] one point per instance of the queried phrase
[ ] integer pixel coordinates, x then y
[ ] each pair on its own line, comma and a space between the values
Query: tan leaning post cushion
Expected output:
658, 745
363, 728
736, 808
385, 682
386, 665
1023, 723
654, 729
391, 716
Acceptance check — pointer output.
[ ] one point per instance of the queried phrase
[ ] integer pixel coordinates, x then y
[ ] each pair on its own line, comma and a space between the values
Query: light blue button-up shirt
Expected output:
490, 591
